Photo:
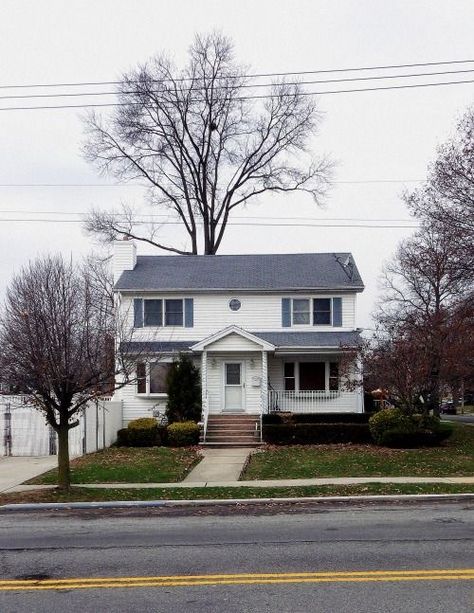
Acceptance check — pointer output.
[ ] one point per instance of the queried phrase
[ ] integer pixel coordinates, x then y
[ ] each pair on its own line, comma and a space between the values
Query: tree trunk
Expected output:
64, 475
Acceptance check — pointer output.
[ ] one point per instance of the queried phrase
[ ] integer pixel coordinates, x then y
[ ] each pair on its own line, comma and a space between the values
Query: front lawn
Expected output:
454, 458
78, 494
129, 465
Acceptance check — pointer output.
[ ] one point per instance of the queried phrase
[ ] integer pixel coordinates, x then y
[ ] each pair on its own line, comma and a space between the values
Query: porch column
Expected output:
204, 380
264, 382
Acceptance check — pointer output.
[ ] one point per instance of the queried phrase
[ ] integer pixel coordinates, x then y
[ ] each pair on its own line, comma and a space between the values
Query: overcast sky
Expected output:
374, 136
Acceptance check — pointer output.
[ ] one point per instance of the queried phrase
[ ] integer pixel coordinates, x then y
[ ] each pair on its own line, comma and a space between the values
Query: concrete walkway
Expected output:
260, 484
16, 470
219, 465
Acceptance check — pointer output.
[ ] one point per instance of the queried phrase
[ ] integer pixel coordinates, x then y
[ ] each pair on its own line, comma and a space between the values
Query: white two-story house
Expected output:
267, 331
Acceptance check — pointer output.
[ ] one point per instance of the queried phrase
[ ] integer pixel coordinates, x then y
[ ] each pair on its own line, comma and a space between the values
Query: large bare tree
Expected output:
57, 336
446, 200
424, 286
204, 144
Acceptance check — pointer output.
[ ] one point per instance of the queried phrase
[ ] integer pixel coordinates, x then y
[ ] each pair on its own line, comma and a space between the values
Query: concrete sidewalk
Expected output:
219, 465
16, 470
260, 484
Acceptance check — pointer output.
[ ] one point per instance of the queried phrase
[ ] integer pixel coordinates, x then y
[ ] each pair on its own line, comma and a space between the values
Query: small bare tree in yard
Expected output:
57, 337
204, 143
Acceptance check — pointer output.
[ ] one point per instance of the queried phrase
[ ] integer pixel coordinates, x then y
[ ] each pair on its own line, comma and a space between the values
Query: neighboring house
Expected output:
267, 331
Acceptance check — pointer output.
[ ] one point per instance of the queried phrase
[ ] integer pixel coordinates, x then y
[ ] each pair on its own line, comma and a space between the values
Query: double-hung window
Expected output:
152, 377
301, 311
174, 312
158, 312
322, 311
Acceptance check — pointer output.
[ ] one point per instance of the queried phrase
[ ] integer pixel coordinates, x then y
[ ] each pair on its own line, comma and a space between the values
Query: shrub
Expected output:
311, 433
142, 423
142, 432
182, 434
392, 428
316, 418
389, 419
184, 391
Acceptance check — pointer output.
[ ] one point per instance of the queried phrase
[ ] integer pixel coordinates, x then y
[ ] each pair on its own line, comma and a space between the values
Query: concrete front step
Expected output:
232, 430
226, 445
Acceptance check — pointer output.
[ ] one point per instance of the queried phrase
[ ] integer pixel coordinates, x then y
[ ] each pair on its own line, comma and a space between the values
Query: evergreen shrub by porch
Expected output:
393, 428
182, 434
315, 433
184, 391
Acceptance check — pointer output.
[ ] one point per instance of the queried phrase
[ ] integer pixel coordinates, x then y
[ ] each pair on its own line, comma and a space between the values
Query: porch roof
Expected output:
156, 346
271, 341
315, 340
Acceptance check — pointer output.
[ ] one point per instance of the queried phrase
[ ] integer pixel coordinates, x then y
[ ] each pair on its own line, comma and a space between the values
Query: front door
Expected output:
233, 387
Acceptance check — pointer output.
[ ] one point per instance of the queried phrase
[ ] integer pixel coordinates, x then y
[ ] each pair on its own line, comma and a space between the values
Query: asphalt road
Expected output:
465, 419
274, 551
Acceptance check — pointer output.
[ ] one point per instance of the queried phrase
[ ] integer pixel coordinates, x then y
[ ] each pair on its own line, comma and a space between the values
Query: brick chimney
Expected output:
125, 257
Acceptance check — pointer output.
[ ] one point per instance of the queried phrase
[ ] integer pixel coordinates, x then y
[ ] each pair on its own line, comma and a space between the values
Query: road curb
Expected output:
142, 504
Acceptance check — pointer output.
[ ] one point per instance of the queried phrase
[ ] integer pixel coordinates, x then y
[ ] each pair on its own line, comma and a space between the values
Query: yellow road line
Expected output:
238, 579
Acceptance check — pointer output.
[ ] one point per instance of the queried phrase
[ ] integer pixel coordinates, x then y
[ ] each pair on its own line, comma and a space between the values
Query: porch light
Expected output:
213, 363
252, 363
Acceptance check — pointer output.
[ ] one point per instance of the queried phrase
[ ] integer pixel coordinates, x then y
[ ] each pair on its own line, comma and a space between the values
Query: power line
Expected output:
283, 225
256, 97
225, 87
150, 216
47, 185
251, 75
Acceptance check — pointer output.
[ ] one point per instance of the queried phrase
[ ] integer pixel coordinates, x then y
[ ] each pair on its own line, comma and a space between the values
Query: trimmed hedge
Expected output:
316, 433
316, 418
183, 433
142, 432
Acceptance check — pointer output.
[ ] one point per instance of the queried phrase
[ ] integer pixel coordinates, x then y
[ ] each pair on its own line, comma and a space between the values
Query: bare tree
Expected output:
397, 362
203, 144
423, 285
446, 201
57, 336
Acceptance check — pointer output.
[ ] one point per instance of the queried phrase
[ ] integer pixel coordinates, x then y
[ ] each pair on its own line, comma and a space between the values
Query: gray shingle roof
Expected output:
279, 339
310, 339
156, 346
242, 272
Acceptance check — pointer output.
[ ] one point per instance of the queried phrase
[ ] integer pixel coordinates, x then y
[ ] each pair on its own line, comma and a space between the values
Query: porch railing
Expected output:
205, 416
307, 401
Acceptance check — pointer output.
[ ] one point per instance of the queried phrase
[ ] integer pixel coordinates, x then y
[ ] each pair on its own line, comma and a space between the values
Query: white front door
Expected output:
233, 387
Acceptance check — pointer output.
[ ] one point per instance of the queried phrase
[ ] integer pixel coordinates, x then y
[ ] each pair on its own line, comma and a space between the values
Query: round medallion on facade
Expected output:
235, 304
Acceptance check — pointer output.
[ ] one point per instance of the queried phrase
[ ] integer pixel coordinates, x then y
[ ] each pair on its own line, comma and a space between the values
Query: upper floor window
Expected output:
301, 311
174, 312
311, 311
163, 312
322, 311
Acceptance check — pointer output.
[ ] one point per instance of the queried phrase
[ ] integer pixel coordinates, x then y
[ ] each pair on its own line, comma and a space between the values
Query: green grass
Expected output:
454, 458
129, 465
94, 494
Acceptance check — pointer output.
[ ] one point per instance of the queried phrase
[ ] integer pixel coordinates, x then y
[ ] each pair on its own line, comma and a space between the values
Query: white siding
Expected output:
125, 257
233, 342
252, 372
258, 313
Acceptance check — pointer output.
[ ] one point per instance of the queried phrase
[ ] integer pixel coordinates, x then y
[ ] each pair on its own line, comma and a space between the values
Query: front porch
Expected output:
242, 374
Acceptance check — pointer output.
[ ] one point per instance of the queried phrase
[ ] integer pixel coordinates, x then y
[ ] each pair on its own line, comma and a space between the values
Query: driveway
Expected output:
16, 470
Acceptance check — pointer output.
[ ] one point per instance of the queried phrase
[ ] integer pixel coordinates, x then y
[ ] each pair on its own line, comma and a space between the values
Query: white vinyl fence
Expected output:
24, 431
